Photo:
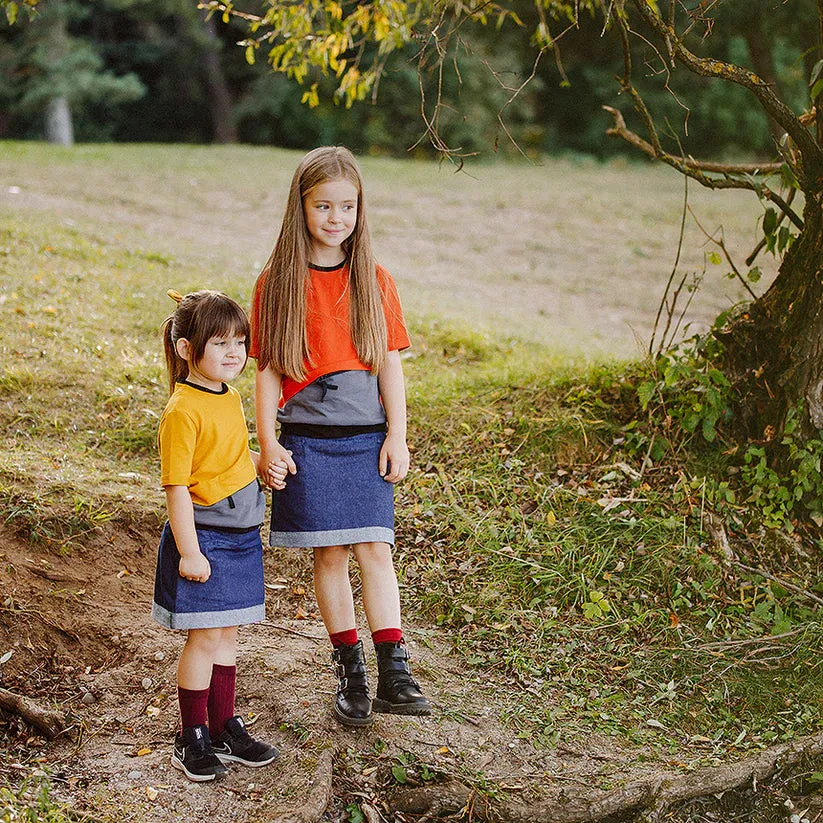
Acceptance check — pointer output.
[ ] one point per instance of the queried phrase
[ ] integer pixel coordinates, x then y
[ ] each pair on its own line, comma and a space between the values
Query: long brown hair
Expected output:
284, 281
199, 316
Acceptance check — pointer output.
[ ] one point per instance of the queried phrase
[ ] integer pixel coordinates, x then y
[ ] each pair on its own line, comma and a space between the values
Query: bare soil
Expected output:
83, 641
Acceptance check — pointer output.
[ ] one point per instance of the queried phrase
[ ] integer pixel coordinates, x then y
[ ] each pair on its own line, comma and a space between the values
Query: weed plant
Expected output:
554, 546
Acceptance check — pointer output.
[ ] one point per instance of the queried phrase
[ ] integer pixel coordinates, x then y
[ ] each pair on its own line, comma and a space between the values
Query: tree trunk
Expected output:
59, 128
220, 104
774, 351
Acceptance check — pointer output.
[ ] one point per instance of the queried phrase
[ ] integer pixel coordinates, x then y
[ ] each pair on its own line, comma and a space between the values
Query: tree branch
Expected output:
773, 106
697, 169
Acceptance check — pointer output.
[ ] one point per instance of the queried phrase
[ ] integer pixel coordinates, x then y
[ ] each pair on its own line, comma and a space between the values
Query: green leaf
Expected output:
769, 221
754, 274
250, 55
645, 392
715, 259
11, 13
354, 813
816, 89
399, 774
815, 75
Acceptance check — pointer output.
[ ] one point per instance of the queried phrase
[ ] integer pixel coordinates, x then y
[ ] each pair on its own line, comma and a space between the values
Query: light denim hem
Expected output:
208, 620
332, 537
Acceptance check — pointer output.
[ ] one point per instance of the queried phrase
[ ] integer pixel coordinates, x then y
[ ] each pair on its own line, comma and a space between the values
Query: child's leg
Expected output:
194, 670
397, 691
193, 753
223, 680
332, 588
381, 596
232, 743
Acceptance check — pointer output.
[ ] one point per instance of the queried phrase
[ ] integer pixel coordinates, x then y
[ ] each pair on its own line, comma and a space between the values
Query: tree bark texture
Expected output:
220, 103
647, 799
59, 127
774, 351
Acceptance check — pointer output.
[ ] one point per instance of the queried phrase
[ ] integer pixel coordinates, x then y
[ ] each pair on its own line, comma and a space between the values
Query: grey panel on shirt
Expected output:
241, 510
343, 398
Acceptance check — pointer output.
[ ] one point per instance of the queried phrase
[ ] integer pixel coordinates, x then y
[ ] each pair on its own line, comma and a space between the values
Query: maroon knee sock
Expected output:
221, 698
346, 638
193, 706
387, 636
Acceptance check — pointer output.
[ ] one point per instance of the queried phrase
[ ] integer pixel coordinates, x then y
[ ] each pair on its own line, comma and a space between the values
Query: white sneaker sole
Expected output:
197, 778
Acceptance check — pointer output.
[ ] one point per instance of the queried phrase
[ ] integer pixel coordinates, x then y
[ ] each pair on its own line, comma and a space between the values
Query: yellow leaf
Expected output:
144, 751
551, 517
151, 793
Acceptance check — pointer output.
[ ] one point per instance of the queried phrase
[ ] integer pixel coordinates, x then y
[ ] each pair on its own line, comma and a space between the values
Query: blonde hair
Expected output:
199, 316
284, 282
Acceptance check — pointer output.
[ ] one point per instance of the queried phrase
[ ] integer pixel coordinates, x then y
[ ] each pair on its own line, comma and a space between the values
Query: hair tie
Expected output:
175, 295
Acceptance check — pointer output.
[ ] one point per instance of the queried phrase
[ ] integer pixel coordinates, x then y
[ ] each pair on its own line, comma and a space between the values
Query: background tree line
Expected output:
162, 71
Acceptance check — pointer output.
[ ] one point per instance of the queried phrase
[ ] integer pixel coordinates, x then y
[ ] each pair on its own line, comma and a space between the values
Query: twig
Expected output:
790, 586
286, 630
49, 723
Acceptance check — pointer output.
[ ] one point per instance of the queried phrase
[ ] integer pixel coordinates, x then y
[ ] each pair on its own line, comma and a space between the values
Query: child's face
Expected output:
330, 210
223, 359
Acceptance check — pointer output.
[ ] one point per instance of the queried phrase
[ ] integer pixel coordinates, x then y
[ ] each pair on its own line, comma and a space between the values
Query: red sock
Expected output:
193, 703
387, 636
346, 638
221, 698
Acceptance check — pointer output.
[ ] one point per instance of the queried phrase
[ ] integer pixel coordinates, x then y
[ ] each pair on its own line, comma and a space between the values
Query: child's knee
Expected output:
206, 641
331, 559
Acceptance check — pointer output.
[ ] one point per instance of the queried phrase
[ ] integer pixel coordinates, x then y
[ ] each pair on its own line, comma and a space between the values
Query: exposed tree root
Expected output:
320, 793
48, 723
647, 798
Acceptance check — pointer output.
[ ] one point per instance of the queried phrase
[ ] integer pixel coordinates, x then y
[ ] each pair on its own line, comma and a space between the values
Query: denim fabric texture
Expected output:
234, 594
337, 496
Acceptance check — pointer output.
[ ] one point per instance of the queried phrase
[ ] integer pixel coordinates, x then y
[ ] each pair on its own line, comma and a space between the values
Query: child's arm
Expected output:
273, 457
394, 455
193, 565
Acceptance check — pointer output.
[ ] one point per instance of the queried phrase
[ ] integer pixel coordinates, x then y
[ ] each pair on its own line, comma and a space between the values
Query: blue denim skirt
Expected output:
233, 595
337, 496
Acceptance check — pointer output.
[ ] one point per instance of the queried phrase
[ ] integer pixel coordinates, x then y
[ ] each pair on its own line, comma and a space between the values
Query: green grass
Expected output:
528, 531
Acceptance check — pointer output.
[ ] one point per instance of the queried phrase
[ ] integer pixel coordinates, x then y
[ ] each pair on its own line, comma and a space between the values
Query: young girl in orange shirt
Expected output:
327, 331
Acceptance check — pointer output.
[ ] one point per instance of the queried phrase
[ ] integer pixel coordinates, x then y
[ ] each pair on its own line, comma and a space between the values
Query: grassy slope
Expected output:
525, 505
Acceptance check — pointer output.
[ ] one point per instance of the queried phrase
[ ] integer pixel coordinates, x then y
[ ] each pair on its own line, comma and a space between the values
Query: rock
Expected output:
134, 775
159, 655
88, 698
147, 683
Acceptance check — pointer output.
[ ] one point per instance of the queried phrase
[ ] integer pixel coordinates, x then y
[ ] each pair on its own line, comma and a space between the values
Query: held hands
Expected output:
394, 458
194, 567
275, 466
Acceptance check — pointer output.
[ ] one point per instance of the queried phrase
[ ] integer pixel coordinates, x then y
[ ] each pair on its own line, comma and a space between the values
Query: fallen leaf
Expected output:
151, 793
144, 751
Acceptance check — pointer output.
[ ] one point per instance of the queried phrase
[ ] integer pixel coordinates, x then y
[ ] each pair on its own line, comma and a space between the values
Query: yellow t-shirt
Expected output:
204, 443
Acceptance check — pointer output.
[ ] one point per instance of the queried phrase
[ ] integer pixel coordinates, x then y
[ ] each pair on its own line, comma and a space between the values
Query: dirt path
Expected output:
82, 640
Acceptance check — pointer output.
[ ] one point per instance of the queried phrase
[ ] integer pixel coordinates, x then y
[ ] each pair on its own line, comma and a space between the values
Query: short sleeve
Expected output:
176, 438
396, 334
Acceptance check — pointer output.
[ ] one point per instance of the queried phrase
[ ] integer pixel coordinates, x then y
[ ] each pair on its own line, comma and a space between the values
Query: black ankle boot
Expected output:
352, 706
397, 691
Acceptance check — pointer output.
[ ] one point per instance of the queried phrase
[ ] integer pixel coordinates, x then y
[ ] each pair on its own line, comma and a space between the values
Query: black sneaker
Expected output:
236, 744
194, 756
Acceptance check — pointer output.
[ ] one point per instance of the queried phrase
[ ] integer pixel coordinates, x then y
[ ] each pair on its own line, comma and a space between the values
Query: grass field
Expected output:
571, 253
528, 532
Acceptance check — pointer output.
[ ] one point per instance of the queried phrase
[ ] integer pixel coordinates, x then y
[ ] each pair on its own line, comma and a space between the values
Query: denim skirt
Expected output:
232, 596
337, 496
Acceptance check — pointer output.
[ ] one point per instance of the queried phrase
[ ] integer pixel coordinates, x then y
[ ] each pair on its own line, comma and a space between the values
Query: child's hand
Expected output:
394, 459
275, 465
194, 567
277, 473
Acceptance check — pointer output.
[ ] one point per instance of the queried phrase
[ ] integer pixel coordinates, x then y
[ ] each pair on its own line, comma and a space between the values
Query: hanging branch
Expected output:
696, 169
773, 105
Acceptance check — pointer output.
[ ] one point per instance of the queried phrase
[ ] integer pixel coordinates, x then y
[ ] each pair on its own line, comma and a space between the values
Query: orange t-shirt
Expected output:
328, 329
